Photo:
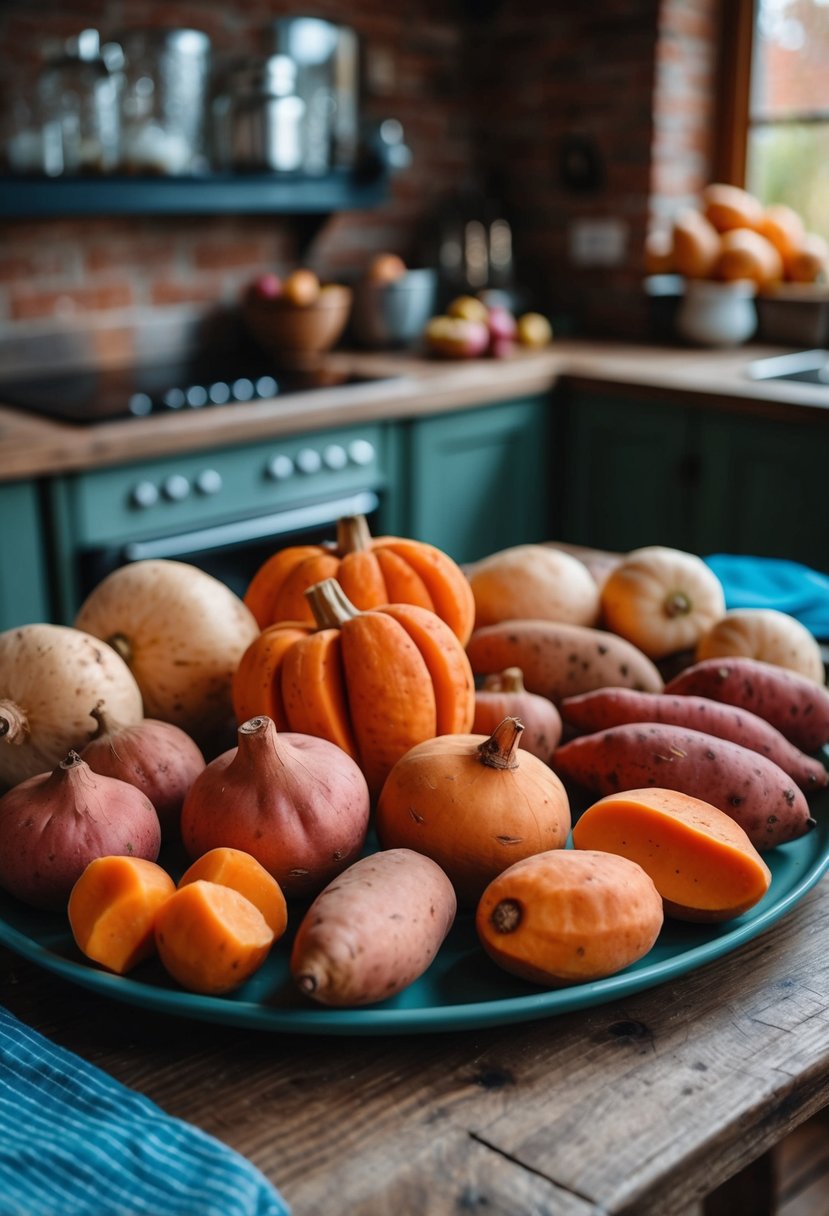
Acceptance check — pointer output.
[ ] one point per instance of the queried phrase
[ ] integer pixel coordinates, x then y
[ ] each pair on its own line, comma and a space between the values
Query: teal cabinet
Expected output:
703, 480
479, 480
24, 588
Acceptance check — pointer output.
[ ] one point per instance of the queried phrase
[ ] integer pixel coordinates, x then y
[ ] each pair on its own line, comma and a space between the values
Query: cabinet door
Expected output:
764, 489
480, 479
23, 584
627, 473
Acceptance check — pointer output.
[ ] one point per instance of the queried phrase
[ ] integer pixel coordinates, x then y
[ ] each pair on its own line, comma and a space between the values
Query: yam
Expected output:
606, 707
560, 660
112, 910
242, 872
569, 916
702, 863
756, 793
796, 706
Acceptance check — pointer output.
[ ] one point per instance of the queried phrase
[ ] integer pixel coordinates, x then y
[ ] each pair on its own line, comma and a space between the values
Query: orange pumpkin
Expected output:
375, 682
475, 805
371, 571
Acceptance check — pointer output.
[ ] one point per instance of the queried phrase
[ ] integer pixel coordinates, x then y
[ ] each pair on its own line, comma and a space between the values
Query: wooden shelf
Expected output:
211, 194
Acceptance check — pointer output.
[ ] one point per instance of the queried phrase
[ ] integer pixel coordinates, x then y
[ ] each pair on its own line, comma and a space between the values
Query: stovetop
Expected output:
87, 397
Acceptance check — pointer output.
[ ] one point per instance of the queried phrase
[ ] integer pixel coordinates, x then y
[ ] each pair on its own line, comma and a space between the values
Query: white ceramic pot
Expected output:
717, 314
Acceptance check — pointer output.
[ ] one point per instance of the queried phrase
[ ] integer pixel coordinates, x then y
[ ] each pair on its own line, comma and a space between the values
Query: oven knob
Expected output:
209, 481
334, 456
175, 487
145, 494
308, 460
279, 468
196, 396
360, 451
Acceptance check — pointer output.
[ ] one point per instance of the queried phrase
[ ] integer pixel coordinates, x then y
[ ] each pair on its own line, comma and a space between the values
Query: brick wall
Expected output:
492, 97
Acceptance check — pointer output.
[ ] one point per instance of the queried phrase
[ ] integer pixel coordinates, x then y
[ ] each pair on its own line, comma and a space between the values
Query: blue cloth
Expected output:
76, 1142
770, 582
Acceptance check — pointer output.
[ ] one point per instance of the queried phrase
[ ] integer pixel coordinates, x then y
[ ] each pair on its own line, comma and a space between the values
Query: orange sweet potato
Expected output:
210, 938
754, 791
569, 916
560, 660
112, 910
606, 707
702, 863
243, 873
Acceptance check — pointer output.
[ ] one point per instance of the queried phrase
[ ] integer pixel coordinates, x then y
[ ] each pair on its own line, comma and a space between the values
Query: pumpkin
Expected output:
504, 696
662, 600
371, 571
765, 634
475, 804
533, 582
375, 682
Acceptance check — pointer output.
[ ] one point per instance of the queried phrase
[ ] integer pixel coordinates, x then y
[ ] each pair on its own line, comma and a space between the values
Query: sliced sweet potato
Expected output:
210, 938
569, 916
242, 872
702, 863
112, 910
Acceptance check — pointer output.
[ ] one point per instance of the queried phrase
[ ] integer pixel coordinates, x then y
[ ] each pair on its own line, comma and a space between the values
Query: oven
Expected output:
223, 510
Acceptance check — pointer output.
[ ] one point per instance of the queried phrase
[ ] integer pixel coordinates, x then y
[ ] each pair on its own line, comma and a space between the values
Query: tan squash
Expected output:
765, 634
533, 582
662, 600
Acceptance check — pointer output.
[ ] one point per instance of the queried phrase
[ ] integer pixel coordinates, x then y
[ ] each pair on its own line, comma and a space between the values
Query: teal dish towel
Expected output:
76, 1142
770, 582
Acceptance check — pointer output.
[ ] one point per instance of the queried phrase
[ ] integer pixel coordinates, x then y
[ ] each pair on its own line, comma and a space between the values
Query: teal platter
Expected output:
462, 990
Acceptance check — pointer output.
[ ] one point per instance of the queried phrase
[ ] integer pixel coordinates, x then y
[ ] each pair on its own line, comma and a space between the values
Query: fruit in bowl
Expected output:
302, 318
385, 268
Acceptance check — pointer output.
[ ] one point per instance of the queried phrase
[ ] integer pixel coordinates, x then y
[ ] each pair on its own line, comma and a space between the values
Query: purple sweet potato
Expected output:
793, 704
754, 791
608, 707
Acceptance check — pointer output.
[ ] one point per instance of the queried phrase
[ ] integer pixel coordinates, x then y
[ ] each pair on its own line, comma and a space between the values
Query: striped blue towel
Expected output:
76, 1142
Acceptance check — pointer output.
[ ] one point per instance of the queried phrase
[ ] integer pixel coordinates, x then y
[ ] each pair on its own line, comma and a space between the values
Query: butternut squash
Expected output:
765, 634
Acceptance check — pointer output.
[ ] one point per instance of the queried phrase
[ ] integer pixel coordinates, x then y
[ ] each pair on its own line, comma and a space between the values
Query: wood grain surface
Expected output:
641, 1107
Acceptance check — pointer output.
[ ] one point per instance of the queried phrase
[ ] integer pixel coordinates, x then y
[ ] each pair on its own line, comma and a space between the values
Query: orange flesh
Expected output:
112, 910
210, 938
701, 861
243, 873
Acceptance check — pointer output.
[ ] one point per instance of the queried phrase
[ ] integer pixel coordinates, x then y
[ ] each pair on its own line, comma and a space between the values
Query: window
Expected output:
786, 131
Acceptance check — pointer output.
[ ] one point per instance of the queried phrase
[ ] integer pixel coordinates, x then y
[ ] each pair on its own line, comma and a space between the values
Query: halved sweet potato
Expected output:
112, 910
702, 862
241, 872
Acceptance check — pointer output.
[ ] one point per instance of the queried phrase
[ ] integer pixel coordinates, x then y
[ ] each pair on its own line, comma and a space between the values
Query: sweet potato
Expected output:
795, 705
569, 916
374, 929
560, 660
702, 863
754, 791
112, 910
607, 707
210, 938
241, 872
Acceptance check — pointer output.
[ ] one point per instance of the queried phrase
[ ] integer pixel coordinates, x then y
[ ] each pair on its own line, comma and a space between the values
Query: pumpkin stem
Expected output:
676, 603
498, 751
509, 680
14, 725
121, 646
330, 605
353, 535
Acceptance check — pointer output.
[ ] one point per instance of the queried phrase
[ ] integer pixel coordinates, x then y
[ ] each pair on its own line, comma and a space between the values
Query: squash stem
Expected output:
676, 603
121, 646
509, 680
499, 750
330, 605
14, 725
353, 535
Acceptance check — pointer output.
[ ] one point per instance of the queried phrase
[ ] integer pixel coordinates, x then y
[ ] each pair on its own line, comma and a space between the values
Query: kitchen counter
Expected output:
32, 447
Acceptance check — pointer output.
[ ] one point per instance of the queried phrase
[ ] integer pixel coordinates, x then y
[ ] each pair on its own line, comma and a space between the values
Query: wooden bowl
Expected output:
291, 331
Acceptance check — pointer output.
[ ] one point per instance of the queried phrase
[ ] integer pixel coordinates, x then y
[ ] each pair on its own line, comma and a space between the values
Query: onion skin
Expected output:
299, 804
54, 824
158, 758
52, 677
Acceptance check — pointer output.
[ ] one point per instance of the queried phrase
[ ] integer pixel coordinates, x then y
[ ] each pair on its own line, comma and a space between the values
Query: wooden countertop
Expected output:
634, 1108
32, 447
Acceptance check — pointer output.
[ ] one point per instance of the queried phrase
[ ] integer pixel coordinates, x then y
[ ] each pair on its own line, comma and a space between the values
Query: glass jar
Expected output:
163, 100
263, 117
78, 98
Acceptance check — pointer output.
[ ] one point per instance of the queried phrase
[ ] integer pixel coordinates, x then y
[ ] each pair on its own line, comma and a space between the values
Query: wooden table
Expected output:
637, 1107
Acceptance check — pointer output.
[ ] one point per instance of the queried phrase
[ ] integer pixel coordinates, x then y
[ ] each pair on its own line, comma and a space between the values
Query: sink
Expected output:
806, 366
